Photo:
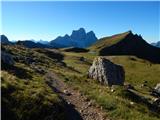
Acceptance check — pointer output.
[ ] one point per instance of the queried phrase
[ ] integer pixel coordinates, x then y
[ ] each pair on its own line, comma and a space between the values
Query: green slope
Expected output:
25, 94
19, 92
108, 41
117, 105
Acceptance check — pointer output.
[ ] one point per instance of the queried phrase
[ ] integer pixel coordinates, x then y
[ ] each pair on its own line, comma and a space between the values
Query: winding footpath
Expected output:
78, 106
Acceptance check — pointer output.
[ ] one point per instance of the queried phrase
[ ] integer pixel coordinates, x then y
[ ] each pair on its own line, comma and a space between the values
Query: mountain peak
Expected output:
66, 35
81, 29
129, 31
79, 32
78, 38
90, 32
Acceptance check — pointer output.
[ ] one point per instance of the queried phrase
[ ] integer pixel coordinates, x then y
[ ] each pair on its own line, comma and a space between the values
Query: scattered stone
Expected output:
112, 90
69, 103
81, 111
86, 99
157, 102
38, 69
131, 103
156, 90
106, 72
89, 104
67, 92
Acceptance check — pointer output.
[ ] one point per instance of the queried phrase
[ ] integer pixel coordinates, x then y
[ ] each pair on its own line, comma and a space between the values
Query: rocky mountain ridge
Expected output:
78, 38
127, 44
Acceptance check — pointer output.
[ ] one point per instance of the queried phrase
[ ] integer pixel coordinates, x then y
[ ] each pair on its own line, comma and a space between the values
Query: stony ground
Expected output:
78, 106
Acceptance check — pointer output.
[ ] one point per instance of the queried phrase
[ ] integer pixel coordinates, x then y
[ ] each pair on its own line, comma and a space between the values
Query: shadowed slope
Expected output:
127, 44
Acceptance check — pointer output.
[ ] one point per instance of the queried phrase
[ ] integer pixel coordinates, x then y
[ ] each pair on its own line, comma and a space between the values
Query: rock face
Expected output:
78, 38
7, 58
106, 72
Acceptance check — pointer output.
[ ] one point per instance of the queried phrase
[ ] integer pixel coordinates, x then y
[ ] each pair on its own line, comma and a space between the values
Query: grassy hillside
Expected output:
116, 104
25, 95
108, 41
126, 44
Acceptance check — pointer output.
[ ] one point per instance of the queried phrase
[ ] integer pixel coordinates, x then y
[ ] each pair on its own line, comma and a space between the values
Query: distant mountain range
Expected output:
31, 44
157, 44
126, 44
78, 38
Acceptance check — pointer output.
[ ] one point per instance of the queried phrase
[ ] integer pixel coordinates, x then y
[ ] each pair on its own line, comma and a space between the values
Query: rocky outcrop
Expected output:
106, 72
78, 38
6, 58
157, 88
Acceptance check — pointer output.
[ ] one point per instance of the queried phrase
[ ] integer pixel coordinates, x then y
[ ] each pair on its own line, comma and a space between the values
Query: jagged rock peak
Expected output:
130, 31
90, 32
66, 35
80, 30
78, 38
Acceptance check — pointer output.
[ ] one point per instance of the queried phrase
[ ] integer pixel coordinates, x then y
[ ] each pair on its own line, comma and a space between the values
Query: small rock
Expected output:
157, 88
67, 92
81, 111
112, 90
69, 103
129, 86
131, 103
156, 91
157, 102
143, 85
89, 104
86, 99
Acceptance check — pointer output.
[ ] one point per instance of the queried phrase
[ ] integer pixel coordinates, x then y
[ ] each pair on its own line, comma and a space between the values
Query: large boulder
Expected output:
106, 72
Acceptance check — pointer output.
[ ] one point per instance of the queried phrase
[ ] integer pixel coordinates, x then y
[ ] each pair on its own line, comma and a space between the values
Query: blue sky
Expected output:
47, 20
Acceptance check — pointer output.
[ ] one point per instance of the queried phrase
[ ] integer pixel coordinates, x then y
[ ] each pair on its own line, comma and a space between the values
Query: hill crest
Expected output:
126, 43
